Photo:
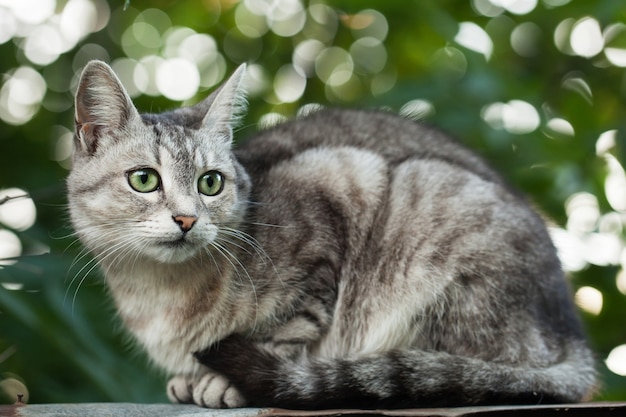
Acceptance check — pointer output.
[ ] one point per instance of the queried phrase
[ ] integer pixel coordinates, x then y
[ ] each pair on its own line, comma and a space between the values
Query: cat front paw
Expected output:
211, 390
180, 390
215, 391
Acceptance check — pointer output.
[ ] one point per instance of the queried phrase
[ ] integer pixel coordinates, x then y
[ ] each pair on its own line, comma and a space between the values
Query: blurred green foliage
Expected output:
531, 85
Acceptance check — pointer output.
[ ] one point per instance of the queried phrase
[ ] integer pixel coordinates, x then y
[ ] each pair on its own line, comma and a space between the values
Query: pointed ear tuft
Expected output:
102, 106
227, 105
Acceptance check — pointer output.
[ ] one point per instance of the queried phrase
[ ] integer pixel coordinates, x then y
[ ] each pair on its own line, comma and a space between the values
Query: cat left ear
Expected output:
102, 106
227, 105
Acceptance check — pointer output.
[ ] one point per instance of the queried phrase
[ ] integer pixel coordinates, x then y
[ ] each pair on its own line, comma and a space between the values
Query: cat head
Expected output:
159, 187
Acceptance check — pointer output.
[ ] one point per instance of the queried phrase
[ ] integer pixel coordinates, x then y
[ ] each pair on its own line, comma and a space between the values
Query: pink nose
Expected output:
185, 222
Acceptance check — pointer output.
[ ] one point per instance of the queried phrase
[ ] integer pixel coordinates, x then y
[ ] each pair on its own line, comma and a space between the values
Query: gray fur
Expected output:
353, 258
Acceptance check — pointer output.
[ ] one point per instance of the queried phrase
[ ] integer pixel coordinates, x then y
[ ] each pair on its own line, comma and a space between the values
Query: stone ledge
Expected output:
598, 409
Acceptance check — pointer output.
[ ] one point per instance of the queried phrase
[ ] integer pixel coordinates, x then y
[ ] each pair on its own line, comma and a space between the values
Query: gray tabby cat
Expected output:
344, 259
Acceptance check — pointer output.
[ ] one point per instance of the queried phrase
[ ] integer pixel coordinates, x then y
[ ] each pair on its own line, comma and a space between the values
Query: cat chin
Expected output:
171, 253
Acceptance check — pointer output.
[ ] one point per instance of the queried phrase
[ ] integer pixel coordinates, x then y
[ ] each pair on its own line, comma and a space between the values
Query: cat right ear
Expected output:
102, 106
227, 105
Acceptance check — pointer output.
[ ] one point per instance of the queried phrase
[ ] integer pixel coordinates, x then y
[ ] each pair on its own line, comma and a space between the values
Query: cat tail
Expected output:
396, 379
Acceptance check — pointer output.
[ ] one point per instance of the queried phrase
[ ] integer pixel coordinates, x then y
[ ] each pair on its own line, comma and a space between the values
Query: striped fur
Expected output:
353, 258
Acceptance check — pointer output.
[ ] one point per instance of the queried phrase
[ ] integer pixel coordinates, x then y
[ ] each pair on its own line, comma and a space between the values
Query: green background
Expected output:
58, 330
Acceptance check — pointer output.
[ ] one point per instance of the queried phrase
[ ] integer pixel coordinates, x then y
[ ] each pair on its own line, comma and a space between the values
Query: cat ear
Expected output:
102, 106
226, 106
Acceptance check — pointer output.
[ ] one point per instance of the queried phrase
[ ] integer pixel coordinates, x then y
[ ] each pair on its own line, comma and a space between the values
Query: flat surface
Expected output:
122, 410
179, 410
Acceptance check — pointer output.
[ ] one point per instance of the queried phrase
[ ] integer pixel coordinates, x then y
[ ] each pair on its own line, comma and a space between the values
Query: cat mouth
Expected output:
173, 251
179, 243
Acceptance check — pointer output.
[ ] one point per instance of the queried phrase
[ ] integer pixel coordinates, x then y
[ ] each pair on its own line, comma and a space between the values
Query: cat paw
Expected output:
211, 390
215, 391
180, 390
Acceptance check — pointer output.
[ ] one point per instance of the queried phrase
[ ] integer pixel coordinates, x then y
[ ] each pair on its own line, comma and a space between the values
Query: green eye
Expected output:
211, 183
144, 180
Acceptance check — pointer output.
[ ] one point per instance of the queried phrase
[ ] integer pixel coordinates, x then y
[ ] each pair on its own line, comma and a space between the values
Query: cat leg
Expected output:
211, 390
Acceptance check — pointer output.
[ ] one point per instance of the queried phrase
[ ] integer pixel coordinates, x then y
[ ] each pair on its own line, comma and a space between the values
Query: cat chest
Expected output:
168, 341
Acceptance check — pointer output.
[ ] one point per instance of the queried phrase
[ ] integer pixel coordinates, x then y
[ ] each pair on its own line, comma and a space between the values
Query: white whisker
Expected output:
281, 226
104, 250
235, 263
